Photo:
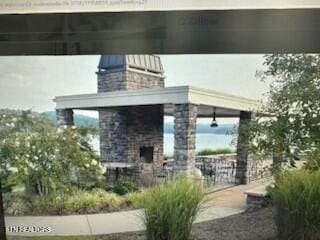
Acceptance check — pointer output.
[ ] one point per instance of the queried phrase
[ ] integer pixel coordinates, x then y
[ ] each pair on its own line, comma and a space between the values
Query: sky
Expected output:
33, 81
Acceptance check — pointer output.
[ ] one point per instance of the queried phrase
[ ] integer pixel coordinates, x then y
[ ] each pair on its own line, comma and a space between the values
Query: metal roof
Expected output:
147, 63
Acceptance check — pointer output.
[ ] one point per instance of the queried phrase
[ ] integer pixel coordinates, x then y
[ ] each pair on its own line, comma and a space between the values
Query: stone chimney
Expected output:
128, 72
133, 134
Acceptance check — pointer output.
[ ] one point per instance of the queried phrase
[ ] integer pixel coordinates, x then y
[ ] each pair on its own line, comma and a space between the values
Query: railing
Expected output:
259, 170
221, 169
216, 170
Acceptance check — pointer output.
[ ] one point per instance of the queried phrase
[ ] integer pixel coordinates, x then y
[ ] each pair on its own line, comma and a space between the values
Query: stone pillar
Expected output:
185, 124
113, 135
243, 147
64, 117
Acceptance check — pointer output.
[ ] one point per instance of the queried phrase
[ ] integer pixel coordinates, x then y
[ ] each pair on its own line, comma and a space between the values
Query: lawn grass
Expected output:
208, 151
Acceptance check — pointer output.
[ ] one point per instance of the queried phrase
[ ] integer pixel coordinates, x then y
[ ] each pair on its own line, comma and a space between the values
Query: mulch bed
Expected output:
257, 225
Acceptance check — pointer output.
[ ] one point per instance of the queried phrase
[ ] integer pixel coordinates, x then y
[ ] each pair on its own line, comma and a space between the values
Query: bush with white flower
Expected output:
45, 158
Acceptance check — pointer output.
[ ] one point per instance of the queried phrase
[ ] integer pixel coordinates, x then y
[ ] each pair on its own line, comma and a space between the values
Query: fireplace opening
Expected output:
146, 154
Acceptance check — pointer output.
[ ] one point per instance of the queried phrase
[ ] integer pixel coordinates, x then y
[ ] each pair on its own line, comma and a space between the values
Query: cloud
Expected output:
34, 81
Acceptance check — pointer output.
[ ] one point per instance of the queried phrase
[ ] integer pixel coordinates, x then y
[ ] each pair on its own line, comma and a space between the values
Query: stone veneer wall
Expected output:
185, 124
257, 201
243, 147
145, 129
124, 130
137, 80
113, 135
111, 81
64, 117
127, 80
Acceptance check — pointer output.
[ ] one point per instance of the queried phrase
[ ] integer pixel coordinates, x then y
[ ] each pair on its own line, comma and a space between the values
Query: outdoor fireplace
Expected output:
131, 136
146, 154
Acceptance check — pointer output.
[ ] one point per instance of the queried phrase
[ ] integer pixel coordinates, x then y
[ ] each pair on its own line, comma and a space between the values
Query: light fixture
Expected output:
214, 121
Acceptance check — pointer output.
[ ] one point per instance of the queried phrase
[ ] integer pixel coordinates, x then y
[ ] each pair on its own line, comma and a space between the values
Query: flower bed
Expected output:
76, 202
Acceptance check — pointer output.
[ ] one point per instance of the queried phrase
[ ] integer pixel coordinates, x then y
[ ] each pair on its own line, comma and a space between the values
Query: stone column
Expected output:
113, 135
64, 117
243, 147
185, 124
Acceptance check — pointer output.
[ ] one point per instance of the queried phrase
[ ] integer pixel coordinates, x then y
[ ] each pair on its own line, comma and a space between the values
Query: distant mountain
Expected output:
79, 120
204, 128
82, 120
221, 129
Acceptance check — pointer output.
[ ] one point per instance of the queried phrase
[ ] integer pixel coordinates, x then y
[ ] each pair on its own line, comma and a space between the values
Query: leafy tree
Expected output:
294, 105
43, 157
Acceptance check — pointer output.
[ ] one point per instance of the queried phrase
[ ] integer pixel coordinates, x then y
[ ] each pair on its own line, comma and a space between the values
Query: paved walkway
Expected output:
220, 204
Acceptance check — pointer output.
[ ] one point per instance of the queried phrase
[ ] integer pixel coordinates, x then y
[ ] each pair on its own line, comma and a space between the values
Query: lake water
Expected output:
212, 141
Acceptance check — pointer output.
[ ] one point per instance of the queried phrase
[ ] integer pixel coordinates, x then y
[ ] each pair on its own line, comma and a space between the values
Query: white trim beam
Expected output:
227, 105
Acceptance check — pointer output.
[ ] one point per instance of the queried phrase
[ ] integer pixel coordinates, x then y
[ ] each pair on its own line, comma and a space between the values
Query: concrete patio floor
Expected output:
219, 204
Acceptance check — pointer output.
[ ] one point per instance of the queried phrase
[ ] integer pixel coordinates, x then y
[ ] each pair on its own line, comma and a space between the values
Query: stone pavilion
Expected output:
132, 101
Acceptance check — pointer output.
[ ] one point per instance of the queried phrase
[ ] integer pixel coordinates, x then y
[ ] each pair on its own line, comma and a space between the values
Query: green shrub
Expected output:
134, 199
84, 202
296, 196
124, 187
313, 160
208, 151
170, 210
112, 201
44, 158
16, 204
74, 202
52, 204
81, 202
